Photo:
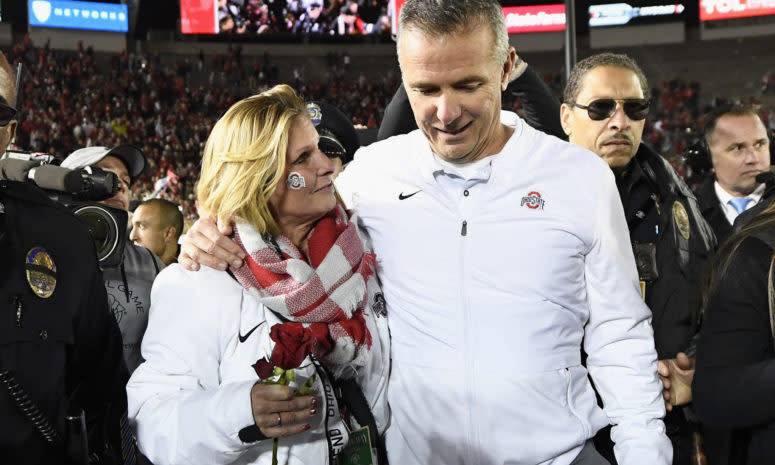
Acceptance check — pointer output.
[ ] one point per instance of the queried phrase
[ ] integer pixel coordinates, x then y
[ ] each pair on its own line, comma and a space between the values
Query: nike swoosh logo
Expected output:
401, 196
246, 336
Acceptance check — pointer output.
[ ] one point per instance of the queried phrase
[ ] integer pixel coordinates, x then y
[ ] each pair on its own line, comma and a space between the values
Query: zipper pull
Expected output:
464, 229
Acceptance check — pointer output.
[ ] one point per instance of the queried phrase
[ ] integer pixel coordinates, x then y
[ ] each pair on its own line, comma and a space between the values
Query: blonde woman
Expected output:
305, 299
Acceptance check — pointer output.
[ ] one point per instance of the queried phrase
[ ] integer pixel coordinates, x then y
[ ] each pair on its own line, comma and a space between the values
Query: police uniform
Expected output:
661, 210
60, 348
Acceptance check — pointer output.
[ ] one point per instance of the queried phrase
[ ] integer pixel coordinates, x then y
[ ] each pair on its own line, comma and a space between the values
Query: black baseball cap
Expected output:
338, 138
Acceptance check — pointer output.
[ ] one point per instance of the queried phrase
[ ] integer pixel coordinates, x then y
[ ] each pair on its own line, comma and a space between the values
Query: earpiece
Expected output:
698, 156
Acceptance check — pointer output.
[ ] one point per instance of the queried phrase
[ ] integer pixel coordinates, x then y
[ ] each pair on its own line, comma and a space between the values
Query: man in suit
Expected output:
739, 149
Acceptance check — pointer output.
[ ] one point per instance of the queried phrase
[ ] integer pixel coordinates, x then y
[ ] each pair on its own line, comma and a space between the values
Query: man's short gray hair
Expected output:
444, 17
573, 87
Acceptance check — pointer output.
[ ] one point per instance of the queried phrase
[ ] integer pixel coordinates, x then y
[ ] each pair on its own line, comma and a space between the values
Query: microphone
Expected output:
766, 177
90, 183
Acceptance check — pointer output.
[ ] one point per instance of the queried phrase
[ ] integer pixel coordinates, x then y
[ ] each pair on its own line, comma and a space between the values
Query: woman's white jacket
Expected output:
191, 397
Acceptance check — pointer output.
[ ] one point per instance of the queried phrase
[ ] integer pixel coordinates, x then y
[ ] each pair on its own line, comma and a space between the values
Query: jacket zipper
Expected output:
473, 440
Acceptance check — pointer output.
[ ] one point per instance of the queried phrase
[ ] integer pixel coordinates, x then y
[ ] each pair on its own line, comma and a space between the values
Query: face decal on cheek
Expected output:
295, 181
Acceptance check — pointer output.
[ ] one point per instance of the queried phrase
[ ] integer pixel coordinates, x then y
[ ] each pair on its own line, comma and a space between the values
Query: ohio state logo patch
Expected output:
533, 200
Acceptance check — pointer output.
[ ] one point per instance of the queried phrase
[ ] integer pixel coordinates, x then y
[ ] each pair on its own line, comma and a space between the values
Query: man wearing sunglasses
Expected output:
604, 110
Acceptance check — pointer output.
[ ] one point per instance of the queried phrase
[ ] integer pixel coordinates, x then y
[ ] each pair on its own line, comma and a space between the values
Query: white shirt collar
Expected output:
724, 197
476, 171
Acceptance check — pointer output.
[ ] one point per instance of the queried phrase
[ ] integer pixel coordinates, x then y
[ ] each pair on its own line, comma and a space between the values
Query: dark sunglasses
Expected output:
7, 114
635, 108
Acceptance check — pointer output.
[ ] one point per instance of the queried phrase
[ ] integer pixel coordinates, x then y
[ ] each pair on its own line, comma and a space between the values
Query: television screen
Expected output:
298, 17
78, 15
519, 19
635, 13
534, 18
711, 10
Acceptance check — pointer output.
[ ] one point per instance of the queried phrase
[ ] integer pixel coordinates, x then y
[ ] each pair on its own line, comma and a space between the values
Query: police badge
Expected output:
41, 272
681, 219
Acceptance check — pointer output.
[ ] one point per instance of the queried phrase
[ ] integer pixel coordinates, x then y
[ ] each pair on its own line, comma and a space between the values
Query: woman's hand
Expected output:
676, 375
277, 412
207, 243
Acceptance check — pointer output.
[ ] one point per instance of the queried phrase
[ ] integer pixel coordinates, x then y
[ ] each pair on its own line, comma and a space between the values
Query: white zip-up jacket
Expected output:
191, 397
491, 290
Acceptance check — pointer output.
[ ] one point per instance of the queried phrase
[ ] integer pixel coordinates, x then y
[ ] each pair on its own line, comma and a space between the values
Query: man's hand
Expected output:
277, 412
207, 243
676, 375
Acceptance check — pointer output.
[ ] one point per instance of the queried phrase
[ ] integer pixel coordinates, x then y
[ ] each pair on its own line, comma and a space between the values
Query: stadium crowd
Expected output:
136, 99
305, 17
70, 101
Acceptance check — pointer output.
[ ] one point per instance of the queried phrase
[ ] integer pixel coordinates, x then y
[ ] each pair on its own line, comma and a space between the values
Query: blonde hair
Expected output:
244, 157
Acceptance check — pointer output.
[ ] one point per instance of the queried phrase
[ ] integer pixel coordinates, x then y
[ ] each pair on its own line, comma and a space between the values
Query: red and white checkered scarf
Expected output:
323, 287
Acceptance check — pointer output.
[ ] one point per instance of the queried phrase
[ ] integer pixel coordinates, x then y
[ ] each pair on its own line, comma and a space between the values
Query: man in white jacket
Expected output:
501, 249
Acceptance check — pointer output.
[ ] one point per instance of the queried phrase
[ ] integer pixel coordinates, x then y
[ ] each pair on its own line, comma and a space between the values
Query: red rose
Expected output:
264, 368
293, 342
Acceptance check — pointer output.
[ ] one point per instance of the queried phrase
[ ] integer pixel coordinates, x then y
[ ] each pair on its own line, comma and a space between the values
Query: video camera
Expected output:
78, 190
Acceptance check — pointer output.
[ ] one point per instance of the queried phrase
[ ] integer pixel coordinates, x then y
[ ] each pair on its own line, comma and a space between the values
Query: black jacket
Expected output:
711, 209
734, 383
767, 197
64, 350
681, 256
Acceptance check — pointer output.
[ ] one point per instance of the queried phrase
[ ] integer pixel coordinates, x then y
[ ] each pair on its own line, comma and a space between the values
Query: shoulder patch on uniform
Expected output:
681, 219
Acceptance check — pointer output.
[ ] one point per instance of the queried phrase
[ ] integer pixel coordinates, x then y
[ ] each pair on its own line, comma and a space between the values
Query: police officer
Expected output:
606, 103
60, 348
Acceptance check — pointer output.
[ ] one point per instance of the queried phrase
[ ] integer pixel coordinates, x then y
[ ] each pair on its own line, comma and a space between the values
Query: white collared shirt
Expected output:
724, 197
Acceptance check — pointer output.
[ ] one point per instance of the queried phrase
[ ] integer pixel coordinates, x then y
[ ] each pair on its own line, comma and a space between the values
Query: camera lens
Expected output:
102, 228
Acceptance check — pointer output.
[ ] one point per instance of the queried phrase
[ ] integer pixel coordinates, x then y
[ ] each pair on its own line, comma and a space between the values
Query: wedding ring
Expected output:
279, 419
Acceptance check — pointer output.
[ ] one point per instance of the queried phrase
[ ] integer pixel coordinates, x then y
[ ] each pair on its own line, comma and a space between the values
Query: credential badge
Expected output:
41, 272
379, 306
681, 219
